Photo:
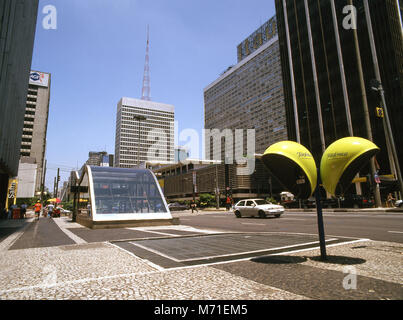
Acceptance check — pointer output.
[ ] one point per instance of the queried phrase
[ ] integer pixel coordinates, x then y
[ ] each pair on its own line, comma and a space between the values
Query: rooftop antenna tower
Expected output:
145, 94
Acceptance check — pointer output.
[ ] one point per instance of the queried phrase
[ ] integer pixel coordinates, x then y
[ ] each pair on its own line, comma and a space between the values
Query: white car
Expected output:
257, 208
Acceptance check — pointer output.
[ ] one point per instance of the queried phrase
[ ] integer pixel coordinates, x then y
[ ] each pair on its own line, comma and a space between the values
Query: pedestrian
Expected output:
194, 206
38, 208
228, 203
11, 211
50, 208
389, 201
23, 211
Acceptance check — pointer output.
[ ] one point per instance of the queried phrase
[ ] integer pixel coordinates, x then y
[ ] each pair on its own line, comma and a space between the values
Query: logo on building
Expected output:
39, 78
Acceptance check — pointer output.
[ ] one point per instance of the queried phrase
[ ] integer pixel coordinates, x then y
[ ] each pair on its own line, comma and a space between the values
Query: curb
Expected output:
350, 210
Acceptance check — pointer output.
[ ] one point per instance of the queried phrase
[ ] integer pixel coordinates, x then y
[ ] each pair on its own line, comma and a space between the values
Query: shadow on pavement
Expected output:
279, 259
296, 259
339, 260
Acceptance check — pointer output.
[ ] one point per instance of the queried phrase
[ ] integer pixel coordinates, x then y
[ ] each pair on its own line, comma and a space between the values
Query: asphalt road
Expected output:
368, 225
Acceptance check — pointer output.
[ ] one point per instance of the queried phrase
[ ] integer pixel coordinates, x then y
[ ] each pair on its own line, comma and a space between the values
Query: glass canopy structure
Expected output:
118, 194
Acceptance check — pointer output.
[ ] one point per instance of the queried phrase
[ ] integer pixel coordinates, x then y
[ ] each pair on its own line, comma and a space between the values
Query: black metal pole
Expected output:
321, 228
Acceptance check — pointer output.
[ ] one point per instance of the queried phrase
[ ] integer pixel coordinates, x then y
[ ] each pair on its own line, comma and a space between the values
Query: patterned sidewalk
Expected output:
104, 271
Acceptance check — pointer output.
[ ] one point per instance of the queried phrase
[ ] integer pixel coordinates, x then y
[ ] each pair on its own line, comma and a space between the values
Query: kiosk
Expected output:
117, 197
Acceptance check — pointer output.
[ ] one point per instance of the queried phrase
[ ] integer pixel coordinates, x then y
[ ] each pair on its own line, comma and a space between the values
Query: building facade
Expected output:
27, 171
181, 153
322, 87
188, 179
262, 35
144, 132
33, 144
249, 95
17, 25
100, 159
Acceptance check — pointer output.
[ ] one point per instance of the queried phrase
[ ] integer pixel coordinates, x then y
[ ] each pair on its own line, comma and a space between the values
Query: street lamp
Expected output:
139, 118
376, 85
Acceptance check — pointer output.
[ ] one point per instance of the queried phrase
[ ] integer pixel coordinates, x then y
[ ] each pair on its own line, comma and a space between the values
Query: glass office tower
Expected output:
310, 109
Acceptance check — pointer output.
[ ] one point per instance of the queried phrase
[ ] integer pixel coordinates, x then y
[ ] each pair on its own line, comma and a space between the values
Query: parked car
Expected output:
257, 208
356, 201
399, 204
176, 206
303, 204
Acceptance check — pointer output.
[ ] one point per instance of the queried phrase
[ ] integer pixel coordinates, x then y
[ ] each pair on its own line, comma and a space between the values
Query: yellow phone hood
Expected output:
293, 166
342, 160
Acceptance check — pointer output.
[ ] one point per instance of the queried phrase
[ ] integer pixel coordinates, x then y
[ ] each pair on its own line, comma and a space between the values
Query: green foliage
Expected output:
28, 201
272, 200
68, 205
207, 200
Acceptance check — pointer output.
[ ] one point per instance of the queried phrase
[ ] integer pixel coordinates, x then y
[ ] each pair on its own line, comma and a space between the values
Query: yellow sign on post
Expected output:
11, 192
380, 113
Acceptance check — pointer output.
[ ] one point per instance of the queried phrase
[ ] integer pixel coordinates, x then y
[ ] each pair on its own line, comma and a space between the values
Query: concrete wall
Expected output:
26, 180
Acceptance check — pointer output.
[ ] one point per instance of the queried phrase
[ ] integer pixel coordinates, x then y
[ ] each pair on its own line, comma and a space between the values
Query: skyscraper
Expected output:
144, 132
144, 128
249, 95
18, 22
322, 86
98, 158
33, 145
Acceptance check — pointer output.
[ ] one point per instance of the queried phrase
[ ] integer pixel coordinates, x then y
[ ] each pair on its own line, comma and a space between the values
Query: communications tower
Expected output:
145, 94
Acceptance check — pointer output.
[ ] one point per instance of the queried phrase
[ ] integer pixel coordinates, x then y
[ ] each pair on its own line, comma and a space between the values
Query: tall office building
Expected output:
99, 159
17, 29
144, 132
249, 95
33, 145
322, 87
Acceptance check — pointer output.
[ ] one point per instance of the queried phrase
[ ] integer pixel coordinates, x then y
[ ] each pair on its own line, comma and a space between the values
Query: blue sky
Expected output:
96, 56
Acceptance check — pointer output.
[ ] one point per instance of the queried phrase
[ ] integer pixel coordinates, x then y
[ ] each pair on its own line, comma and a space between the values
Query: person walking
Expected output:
50, 208
11, 211
23, 211
389, 201
38, 208
228, 203
194, 206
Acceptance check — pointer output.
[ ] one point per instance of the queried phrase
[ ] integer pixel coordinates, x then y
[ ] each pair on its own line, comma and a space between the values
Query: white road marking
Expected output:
253, 224
276, 254
395, 231
223, 255
11, 239
61, 224
153, 265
